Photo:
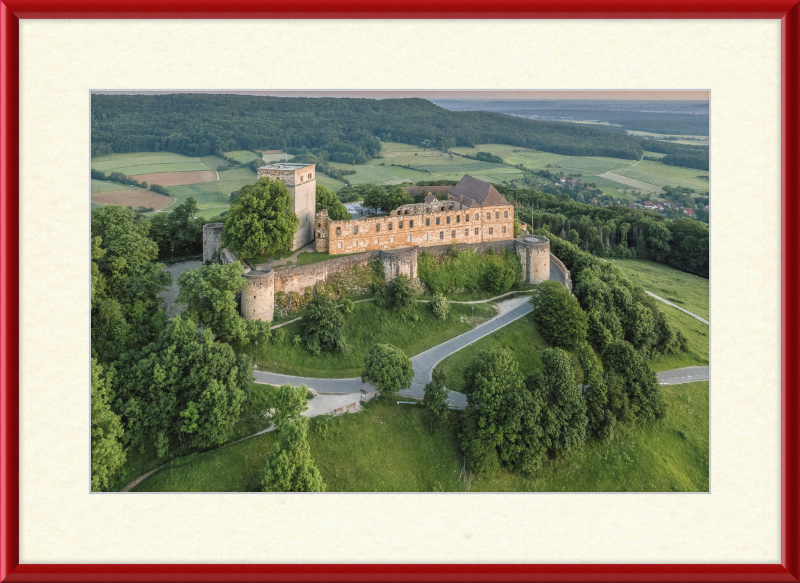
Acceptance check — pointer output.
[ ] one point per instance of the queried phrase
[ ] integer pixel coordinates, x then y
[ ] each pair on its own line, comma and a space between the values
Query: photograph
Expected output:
417, 291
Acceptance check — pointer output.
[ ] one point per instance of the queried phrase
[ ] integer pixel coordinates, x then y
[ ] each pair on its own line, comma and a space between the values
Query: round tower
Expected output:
258, 300
212, 242
534, 254
399, 262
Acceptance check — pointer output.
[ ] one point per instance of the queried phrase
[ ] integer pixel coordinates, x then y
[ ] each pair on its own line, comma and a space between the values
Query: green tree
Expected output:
564, 416
329, 201
436, 394
260, 220
488, 382
658, 238
375, 198
440, 306
209, 294
400, 295
179, 233
108, 454
289, 466
574, 238
288, 403
182, 386
395, 197
388, 369
558, 314
323, 325
638, 379
524, 445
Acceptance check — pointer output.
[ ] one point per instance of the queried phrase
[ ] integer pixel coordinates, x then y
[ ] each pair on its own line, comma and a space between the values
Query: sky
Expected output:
660, 95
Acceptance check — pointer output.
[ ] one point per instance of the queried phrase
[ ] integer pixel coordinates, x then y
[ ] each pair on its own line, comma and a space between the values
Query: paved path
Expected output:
695, 316
679, 376
423, 363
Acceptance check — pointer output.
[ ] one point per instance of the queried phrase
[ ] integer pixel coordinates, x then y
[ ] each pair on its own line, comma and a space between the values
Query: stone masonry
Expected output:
301, 180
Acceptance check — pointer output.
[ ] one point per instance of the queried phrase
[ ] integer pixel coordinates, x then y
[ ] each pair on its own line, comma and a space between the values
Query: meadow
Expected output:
389, 447
147, 163
368, 325
101, 186
242, 156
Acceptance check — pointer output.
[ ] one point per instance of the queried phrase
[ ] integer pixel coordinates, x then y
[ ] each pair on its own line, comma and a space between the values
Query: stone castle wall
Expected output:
302, 185
563, 268
212, 241
534, 254
466, 226
258, 300
299, 277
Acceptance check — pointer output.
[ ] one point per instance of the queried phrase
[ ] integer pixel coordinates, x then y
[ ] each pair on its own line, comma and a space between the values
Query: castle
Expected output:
474, 216
474, 212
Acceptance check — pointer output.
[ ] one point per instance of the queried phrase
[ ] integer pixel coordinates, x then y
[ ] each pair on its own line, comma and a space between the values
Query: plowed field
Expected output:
176, 178
133, 198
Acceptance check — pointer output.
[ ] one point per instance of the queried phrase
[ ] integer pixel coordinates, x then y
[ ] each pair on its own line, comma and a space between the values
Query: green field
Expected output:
664, 175
329, 183
389, 448
147, 163
279, 157
521, 338
242, 156
689, 291
100, 186
366, 326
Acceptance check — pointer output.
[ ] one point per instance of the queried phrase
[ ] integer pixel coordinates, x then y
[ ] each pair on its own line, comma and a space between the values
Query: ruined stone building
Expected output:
301, 180
474, 212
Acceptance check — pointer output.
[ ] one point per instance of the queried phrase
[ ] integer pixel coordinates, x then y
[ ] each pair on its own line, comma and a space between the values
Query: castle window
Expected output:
400, 225
390, 226
466, 217
427, 222
441, 234
437, 220
458, 218
426, 236
309, 176
391, 239
504, 230
410, 224
338, 230
453, 234
377, 228
497, 215
376, 240
408, 238
466, 232
319, 225
477, 218
490, 231
355, 243
355, 230
476, 231
506, 214
448, 220
338, 245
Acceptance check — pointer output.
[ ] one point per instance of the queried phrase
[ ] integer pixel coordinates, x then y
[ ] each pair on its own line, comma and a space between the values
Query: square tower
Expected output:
301, 180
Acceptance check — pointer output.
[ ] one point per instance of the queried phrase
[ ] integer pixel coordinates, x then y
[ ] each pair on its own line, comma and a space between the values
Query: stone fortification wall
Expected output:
258, 300
534, 254
299, 277
425, 208
212, 241
563, 269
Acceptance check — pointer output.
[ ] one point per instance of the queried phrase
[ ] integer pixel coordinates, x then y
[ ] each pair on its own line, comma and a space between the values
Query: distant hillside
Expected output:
341, 130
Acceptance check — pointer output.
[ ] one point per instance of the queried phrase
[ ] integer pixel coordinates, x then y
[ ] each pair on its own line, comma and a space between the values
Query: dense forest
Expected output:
345, 130
677, 154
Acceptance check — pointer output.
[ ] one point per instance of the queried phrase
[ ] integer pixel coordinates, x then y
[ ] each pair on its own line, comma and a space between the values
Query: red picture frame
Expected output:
12, 10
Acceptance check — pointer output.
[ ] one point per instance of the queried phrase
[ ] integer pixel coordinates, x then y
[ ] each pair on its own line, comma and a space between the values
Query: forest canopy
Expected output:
347, 130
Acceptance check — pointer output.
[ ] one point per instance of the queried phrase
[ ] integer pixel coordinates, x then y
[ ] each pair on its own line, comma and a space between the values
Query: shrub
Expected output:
440, 306
348, 306
388, 369
323, 326
467, 270
399, 295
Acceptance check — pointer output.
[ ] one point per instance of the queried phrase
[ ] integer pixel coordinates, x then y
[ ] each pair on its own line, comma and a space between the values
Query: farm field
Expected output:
664, 175
366, 326
698, 141
99, 186
242, 156
269, 156
133, 198
329, 183
390, 448
689, 291
646, 188
178, 178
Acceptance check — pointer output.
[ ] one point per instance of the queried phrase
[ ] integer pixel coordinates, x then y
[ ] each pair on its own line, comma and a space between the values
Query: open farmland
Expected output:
645, 187
99, 186
269, 156
664, 175
176, 178
133, 198
242, 156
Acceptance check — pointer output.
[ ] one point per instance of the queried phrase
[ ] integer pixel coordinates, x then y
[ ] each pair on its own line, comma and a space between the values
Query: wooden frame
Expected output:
10, 13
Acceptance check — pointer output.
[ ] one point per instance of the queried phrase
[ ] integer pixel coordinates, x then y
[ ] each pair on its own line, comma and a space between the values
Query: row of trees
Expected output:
341, 130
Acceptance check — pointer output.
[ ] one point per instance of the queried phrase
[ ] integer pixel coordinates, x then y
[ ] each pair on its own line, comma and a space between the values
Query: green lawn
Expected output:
366, 326
521, 337
100, 186
389, 448
683, 289
697, 334
200, 194
308, 257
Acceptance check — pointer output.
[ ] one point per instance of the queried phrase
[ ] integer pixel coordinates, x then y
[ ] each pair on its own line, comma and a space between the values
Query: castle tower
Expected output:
534, 254
212, 241
301, 180
258, 300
